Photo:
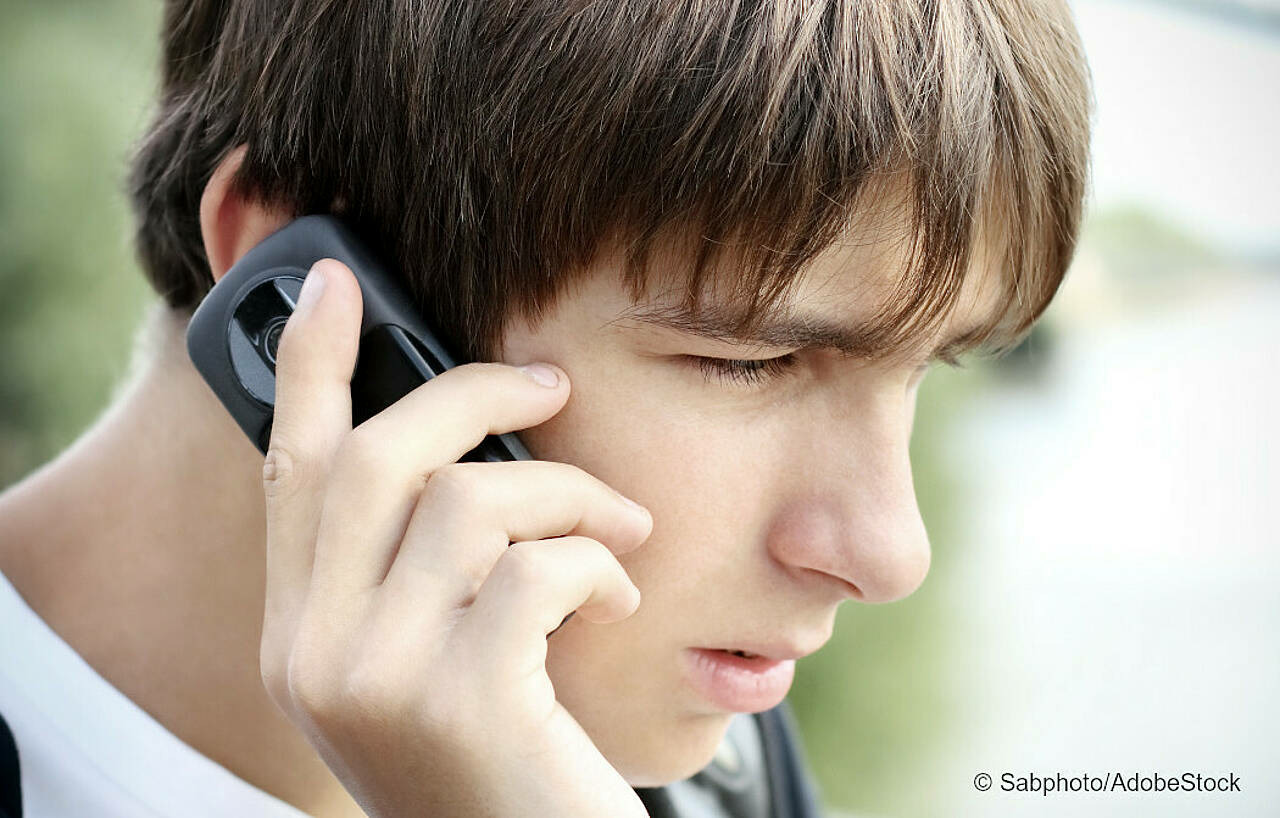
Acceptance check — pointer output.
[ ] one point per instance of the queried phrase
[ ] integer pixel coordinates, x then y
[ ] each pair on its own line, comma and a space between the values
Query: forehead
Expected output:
863, 274
835, 299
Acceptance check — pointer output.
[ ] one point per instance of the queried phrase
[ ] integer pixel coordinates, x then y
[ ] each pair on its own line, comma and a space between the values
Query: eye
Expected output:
750, 372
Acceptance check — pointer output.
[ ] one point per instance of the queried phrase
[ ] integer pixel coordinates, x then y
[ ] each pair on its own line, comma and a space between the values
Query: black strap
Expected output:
792, 792
10, 781
795, 795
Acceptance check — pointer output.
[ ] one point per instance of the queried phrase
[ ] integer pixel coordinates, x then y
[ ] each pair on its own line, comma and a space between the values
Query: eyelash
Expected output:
745, 372
753, 372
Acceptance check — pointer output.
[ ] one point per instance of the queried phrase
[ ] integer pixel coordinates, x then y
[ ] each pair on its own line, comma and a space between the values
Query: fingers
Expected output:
384, 464
314, 362
469, 513
531, 588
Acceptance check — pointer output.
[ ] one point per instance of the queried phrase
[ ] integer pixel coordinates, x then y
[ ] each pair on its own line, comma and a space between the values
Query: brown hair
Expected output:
491, 149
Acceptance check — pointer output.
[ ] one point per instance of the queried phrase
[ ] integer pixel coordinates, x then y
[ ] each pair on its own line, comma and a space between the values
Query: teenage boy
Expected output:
710, 251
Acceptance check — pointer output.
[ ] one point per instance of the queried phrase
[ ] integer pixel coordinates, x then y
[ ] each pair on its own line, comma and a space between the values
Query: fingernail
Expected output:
541, 374
312, 288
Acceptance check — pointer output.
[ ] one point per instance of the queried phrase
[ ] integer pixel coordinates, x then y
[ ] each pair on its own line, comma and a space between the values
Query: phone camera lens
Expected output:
271, 338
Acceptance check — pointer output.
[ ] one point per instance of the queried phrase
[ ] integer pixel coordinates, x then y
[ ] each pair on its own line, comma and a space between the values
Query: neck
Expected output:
143, 546
163, 486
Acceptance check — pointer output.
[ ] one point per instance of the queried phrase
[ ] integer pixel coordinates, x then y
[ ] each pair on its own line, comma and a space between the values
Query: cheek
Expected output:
706, 477
704, 472
707, 501
708, 491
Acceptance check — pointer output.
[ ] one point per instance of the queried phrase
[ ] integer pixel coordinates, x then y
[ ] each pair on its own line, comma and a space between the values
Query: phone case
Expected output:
232, 336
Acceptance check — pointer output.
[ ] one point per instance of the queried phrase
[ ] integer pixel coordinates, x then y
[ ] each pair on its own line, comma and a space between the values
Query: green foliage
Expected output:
1138, 244
77, 79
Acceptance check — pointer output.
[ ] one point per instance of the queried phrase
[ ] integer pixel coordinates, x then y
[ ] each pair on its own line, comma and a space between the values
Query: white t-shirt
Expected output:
85, 750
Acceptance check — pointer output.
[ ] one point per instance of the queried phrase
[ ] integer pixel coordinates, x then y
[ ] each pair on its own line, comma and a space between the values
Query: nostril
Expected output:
845, 588
851, 590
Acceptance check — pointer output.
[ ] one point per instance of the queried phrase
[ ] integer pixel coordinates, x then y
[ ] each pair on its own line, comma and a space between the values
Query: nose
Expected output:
850, 513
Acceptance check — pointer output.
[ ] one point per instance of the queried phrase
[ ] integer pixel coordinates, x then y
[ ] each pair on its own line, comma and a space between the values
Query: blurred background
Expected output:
1104, 587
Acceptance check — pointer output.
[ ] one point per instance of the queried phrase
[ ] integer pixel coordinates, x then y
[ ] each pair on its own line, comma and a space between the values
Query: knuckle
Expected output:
574, 475
274, 675
484, 381
457, 486
478, 369
481, 381
281, 472
594, 551
524, 564
469, 376
555, 469
310, 682
596, 558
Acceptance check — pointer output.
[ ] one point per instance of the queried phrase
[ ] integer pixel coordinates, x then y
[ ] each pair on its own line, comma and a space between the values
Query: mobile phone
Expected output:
234, 333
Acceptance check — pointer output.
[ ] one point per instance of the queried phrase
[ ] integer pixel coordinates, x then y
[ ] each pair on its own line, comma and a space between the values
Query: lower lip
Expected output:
736, 683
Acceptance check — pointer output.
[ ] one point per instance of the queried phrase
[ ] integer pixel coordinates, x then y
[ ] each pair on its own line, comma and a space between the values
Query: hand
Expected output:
409, 596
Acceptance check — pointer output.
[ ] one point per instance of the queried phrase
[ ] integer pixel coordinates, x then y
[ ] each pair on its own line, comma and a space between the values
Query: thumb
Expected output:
314, 363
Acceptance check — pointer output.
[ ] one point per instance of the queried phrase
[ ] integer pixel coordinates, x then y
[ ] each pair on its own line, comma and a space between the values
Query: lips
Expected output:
737, 683
744, 659
777, 652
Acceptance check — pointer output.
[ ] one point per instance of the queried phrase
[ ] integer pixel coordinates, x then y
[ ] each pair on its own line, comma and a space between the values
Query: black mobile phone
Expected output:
234, 333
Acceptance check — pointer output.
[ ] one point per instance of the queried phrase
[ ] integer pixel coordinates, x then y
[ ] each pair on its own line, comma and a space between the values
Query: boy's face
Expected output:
773, 500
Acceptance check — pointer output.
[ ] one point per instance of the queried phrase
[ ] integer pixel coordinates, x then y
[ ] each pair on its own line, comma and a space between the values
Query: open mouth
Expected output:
744, 654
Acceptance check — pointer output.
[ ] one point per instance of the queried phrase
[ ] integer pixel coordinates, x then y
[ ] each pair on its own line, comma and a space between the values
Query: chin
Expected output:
654, 760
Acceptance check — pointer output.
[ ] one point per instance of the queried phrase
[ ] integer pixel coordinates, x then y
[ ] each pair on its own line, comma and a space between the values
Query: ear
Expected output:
231, 224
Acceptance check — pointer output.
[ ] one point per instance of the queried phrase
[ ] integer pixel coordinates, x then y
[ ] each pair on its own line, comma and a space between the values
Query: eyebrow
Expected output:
796, 331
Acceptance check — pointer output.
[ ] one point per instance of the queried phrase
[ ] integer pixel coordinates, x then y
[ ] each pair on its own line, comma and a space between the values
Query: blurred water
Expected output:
1119, 609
